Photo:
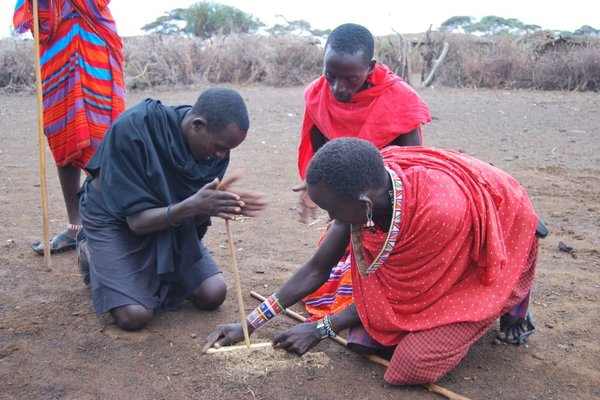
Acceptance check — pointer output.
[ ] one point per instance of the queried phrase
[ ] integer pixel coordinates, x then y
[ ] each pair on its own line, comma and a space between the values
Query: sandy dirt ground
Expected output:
52, 346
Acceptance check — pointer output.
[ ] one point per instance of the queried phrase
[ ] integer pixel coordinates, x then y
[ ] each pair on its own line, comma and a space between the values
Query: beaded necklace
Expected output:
392, 236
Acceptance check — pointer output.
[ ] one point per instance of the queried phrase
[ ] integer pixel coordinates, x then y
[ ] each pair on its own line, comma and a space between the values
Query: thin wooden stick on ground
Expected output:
238, 286
253, 346
42, 148
376, 359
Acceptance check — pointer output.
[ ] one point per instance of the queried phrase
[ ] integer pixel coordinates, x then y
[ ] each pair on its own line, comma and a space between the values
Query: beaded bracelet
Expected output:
169, 219
329, 326
268, 309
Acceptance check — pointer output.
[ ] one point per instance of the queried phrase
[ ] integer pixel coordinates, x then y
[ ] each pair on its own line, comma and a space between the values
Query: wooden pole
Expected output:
41, 139
376, 359
436, 65
238, 286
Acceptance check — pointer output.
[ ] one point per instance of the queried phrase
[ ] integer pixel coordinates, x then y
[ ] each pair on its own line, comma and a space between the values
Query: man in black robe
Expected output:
153, 185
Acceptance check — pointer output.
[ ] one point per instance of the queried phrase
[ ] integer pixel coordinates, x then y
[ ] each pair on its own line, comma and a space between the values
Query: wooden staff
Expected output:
376, 359
42, 148
238, 286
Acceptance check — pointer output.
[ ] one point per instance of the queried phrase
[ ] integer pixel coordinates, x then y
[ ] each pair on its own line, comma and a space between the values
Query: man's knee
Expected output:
211, 293
410, 368
132, 317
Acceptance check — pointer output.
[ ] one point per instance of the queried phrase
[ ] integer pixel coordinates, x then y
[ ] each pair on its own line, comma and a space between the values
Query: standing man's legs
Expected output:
70, 182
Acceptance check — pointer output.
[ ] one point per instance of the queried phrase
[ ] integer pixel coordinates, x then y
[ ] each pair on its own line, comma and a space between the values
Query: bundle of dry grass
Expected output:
240, 366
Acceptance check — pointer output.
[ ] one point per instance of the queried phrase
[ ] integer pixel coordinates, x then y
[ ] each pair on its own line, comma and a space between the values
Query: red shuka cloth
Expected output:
379, 114
95, 13
82, 73
466, 231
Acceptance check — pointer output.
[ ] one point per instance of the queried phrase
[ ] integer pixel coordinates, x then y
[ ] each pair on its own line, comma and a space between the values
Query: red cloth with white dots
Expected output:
426, 356
467, 229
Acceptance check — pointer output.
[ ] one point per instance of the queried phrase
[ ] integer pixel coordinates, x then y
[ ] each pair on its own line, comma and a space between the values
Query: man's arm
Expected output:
304, 281
302, 337
306, 208
345, 319
317, 269
317, 139
412, 138
209, 201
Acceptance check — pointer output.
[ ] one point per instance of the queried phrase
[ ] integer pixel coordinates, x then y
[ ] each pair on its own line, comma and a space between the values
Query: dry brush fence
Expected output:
541, 61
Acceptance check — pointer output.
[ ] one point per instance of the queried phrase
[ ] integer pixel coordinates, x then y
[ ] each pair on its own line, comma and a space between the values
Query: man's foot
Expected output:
83, 260
515, 330
64, 241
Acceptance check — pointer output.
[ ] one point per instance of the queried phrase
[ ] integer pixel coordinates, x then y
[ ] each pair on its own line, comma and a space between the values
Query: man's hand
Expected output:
224, 335
306, 208
254, 202
209, 201
299, 339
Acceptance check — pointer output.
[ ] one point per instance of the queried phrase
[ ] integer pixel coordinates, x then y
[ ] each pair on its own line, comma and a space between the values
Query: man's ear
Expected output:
364, 197
198, 123
372, 66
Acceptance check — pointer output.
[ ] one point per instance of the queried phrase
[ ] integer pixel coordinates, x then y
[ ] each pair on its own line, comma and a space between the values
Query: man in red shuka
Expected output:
355, 97
443, 245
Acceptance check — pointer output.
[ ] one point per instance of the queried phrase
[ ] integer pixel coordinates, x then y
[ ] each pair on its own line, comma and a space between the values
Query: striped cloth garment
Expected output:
335, 294
81, 58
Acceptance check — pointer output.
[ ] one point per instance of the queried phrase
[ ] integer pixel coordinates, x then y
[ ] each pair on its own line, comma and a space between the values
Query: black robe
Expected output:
144, 162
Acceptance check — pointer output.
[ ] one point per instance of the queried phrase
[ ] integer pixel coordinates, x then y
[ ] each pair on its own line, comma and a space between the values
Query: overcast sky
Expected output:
380, 16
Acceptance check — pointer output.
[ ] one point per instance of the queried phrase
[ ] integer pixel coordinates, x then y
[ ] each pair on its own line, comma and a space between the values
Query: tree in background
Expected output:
490, 25
587, 30
457, 23
205, 20
493, 25
300, 27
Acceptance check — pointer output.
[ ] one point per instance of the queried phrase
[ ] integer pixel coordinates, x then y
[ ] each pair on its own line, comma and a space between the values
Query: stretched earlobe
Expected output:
369, 204
369, 224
